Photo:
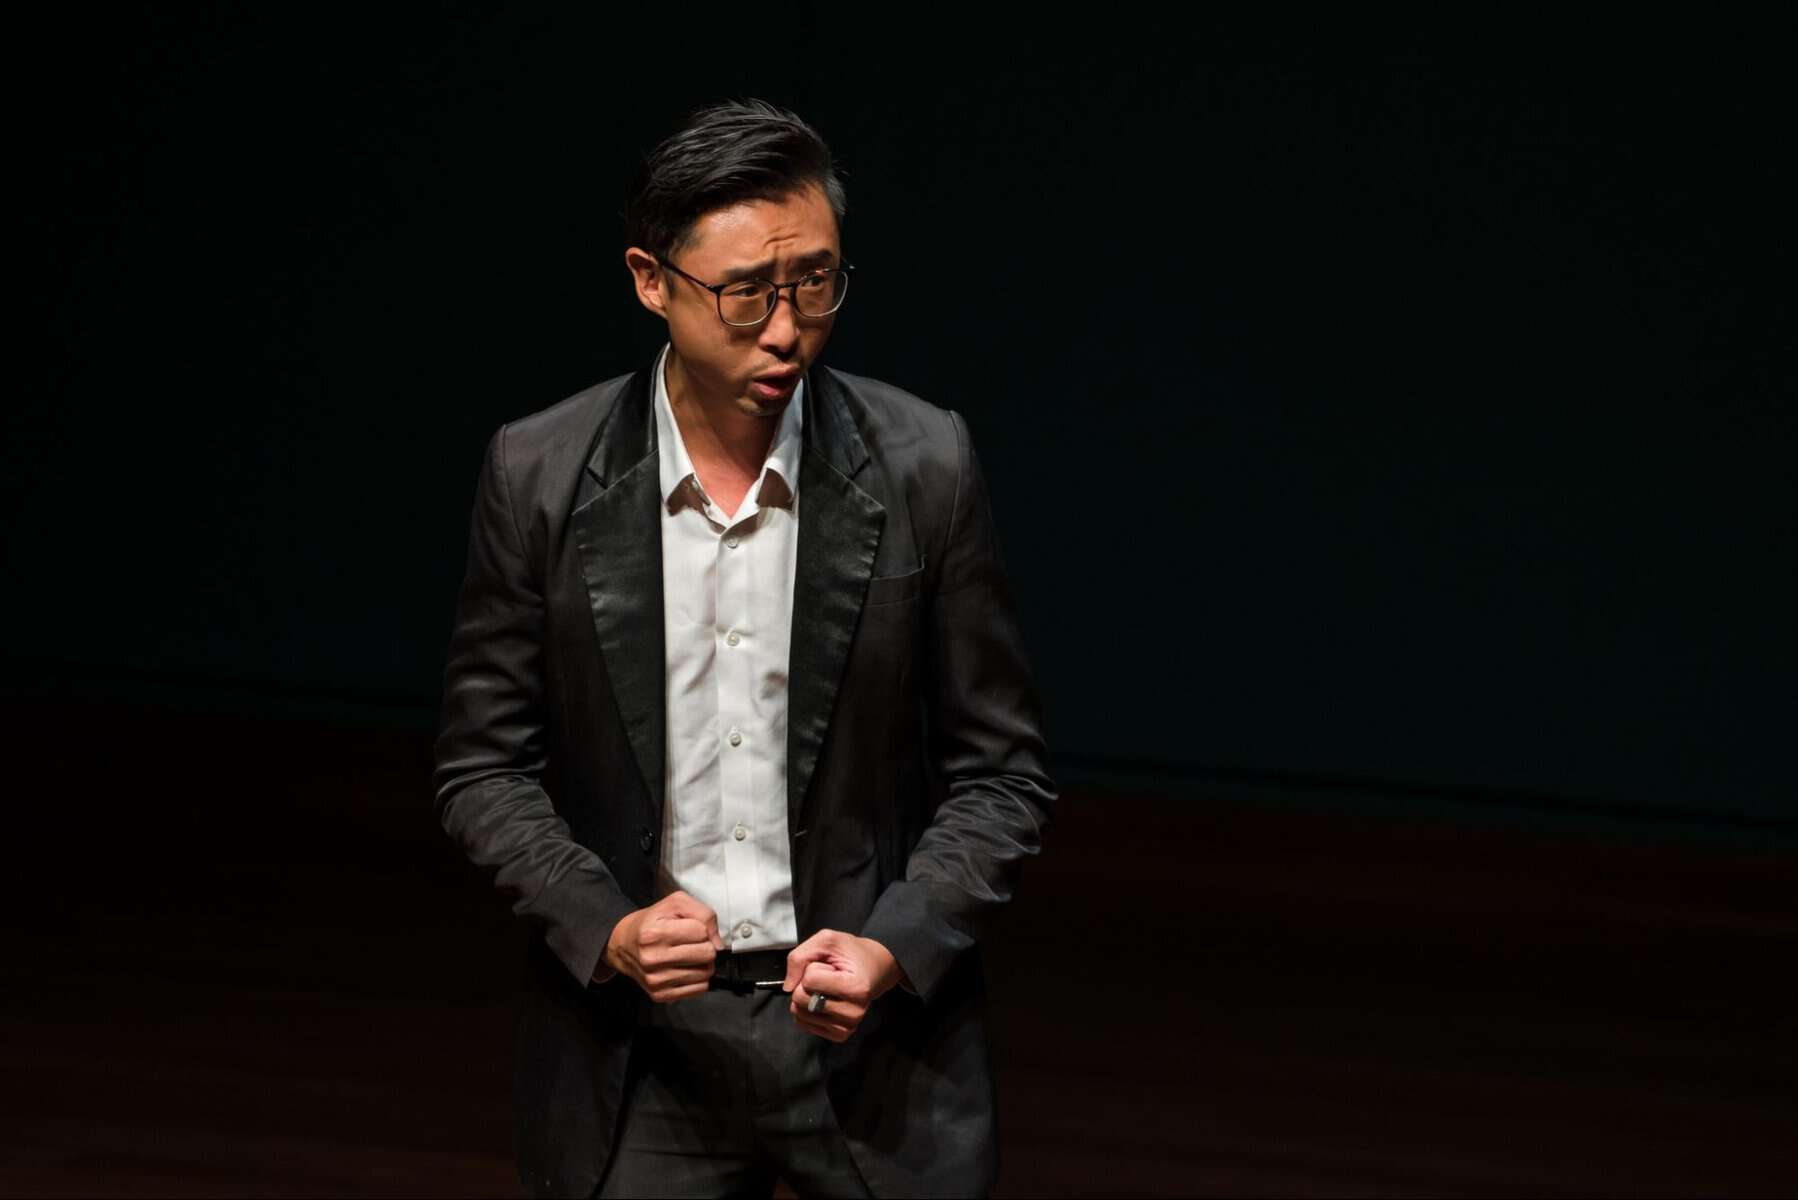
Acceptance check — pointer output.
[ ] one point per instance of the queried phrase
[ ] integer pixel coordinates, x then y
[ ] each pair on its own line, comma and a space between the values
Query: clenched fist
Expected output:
669, 948
848, 973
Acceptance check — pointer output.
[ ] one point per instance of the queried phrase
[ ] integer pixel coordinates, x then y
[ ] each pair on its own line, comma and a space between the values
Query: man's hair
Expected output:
725, 154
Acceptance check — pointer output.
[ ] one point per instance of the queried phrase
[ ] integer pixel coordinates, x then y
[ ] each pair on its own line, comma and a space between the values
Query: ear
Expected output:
649, 279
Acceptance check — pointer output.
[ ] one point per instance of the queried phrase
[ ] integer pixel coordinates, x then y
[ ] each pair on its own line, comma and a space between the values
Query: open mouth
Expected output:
773, 387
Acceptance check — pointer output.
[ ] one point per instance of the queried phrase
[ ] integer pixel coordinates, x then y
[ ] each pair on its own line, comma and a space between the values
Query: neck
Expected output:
713, 427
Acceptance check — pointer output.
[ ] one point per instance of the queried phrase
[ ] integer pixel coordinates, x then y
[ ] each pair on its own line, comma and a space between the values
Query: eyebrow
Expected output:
815, 258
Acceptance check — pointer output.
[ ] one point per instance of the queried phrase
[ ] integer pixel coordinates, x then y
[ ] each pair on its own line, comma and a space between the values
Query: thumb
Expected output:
811, 950
680, 904
688, 907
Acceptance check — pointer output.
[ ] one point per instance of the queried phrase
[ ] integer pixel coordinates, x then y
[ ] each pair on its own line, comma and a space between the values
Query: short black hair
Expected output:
725, 154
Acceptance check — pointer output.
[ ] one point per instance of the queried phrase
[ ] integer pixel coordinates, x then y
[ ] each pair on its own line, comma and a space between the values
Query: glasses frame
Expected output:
717, 290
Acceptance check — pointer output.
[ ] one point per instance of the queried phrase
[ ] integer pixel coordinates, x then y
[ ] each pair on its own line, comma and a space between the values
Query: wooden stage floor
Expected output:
242, 960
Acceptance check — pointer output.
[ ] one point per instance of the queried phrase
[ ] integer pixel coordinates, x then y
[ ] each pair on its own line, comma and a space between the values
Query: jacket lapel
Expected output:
839, 532
619, 533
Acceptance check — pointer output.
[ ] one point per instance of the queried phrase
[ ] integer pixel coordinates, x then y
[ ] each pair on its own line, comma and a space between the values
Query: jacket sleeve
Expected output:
490, 749
985, 735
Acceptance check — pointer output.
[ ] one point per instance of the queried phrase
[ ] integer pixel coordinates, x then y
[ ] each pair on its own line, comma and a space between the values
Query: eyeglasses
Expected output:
751, 301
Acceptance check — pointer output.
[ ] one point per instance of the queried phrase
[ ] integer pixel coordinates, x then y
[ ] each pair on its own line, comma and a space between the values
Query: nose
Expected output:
781, 329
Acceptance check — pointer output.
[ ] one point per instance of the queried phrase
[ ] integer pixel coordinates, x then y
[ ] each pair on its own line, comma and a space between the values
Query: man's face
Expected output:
775, 239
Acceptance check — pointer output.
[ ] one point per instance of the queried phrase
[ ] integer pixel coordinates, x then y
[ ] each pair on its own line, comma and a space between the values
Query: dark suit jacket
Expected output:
915, 762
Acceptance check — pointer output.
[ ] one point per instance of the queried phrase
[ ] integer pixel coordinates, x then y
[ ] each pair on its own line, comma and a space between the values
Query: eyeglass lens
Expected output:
749, 302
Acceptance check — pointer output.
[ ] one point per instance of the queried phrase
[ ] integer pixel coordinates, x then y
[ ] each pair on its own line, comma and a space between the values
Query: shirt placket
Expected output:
734, 631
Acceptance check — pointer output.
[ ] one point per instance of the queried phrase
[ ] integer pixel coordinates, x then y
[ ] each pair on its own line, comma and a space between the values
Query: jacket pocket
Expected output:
890, 589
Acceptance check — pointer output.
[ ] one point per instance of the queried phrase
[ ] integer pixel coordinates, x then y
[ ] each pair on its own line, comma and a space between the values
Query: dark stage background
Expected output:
1389, 432
1397, 415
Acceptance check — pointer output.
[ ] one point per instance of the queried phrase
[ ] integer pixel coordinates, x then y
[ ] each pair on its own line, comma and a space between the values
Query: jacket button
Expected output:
646, 841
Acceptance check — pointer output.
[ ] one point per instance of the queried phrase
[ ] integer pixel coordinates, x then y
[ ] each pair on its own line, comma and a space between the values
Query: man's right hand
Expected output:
669, 948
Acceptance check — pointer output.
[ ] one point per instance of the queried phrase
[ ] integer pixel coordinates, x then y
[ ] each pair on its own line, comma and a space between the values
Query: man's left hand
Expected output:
851, 972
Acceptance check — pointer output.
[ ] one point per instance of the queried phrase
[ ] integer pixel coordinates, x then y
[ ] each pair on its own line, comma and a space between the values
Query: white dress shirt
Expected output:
727, 613
727, 588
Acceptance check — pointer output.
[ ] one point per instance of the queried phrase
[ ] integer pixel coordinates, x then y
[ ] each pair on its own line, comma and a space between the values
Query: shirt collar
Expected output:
783, 455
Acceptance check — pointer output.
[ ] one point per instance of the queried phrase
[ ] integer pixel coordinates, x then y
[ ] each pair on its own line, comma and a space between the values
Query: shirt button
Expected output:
736, 738
742, 831
731, 541
732, 637
744, 930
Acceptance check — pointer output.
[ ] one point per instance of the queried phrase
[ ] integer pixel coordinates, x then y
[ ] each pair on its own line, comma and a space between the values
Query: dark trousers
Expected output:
724, 1094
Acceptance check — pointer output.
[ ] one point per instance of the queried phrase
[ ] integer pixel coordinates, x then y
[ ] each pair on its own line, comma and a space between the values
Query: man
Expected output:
737, 714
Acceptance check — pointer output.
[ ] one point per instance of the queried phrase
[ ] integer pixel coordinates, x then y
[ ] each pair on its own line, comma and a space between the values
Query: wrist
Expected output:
888, 974
611, 958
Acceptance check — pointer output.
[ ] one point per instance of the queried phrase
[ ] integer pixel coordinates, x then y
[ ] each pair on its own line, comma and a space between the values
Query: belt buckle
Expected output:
734, 971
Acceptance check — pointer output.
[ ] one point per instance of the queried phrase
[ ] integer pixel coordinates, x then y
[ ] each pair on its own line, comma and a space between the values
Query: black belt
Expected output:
741, 970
